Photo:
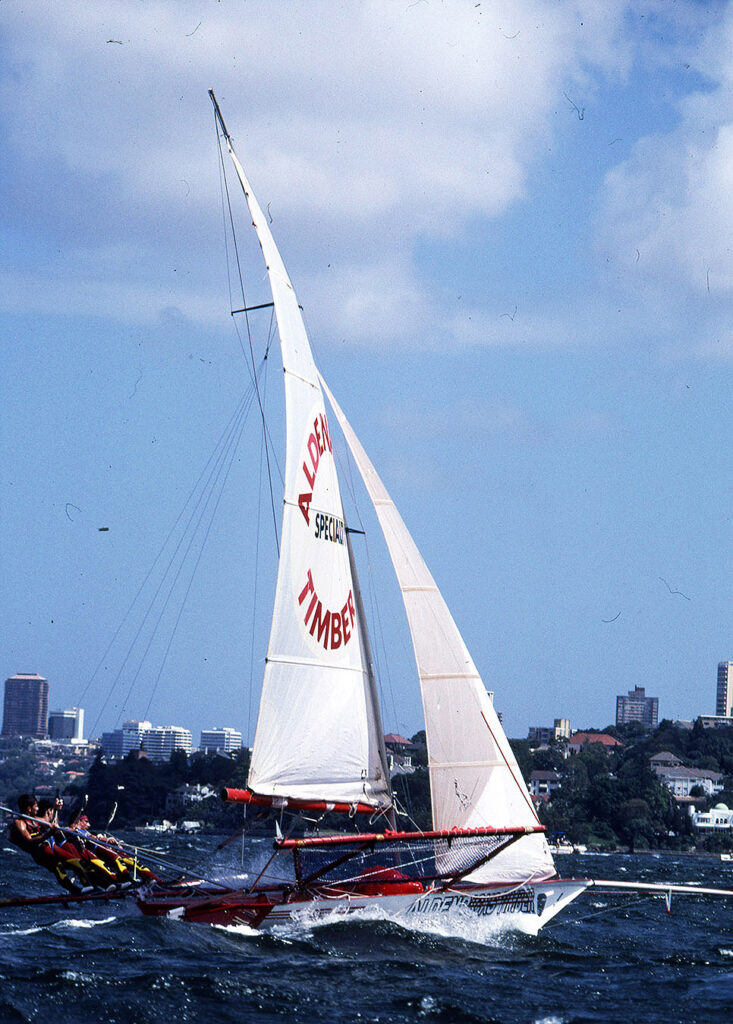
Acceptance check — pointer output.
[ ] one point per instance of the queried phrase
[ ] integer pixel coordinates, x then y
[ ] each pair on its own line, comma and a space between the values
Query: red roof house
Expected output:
583, 739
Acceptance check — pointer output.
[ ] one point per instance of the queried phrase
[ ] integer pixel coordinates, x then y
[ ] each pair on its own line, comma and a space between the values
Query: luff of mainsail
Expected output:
318, 734
474, 777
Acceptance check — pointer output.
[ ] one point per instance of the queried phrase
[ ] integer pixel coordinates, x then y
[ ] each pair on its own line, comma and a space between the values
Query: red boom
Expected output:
245, 796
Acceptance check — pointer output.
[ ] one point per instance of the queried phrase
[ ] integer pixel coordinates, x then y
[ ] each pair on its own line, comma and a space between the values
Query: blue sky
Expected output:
510, 228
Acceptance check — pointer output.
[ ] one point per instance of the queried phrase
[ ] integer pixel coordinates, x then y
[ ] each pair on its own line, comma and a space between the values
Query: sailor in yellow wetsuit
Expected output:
83, 862
105, 848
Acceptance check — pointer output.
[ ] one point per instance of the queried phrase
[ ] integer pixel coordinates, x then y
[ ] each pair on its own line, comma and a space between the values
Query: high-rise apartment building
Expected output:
157, 741
561, 729
160, 741
637, 707
545, 734
222, 740
25, 707
130, 737
724, 694
66, 726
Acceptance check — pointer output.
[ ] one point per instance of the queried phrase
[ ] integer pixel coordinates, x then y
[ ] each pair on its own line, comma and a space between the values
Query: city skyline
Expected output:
636, 706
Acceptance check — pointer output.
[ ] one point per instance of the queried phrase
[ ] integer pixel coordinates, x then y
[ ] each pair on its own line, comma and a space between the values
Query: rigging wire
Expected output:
254, 604
199, 483
263, 449
235, 425
405, 812
606, 910
251, 362
202, 504
205, 494
231, 454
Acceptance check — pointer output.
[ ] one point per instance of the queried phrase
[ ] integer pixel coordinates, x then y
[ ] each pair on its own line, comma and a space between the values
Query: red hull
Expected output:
239, 907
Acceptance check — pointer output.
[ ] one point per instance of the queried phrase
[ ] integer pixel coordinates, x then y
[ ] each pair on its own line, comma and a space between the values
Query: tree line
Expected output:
615, 799
606, 799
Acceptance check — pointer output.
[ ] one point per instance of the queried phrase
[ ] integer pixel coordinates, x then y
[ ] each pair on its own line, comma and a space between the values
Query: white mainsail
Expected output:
474, 777
319, 734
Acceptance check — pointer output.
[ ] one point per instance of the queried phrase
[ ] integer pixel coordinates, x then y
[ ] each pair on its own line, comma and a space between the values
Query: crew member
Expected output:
88, 868
23, 832
106, 848
29, 833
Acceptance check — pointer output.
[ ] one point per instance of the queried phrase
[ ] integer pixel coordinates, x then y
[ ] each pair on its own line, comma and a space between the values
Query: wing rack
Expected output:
397, 861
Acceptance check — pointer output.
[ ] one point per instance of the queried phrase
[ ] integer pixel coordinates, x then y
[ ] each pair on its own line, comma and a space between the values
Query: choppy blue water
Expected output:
604, 959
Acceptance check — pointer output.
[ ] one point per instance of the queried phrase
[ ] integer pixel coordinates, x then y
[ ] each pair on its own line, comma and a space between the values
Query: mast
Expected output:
318, 728
219, 118
361, 618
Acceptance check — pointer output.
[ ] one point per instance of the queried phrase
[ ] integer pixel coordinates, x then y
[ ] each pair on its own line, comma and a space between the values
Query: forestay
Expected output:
474, 777
318, 731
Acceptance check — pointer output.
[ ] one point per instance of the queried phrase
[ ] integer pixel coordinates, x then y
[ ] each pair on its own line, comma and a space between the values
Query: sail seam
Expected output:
418, 590
450, 675
438, 765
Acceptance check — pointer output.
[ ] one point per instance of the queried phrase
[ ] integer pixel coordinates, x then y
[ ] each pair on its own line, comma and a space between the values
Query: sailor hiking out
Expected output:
80, 860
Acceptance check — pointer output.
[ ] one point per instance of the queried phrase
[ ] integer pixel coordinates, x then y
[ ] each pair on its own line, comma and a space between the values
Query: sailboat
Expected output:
319, 743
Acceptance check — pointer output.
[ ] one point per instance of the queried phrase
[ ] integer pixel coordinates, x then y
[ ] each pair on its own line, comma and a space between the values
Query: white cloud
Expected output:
420, 97
668, 211
131, 301
367, 128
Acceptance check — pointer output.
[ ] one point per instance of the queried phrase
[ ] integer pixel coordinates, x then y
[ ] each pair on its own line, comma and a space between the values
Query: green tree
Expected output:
633, 823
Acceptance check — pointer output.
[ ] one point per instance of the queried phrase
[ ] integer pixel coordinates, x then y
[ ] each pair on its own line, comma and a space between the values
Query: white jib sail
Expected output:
318, 732
474, 777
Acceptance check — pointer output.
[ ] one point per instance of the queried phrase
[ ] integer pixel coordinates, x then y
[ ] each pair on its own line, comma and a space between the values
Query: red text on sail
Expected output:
331, 628
318, 441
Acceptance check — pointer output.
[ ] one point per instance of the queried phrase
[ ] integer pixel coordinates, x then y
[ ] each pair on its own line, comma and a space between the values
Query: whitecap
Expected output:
237, 929
459, 925
725, 952
75, 922
77, 976
466, 926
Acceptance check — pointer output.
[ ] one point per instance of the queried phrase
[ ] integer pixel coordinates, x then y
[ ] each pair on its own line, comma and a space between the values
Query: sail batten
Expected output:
311, 662
303, 380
